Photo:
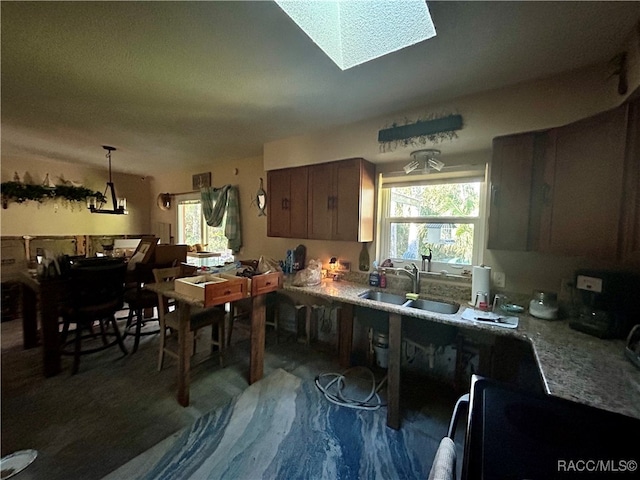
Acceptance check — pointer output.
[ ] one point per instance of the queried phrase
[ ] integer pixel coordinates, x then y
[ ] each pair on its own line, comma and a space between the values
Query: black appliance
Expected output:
516, 434
610, 303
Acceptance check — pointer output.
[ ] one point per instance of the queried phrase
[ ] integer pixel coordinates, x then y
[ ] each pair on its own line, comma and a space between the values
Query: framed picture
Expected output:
143, 251
201, 180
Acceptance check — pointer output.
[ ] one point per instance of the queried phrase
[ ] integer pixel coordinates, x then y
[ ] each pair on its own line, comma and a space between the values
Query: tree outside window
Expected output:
441, 217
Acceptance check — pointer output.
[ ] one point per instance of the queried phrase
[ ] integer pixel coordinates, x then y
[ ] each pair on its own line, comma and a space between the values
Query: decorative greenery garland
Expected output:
434, 128
21, 192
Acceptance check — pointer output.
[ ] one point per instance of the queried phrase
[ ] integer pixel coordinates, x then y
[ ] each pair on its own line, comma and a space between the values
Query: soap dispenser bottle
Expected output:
383, 279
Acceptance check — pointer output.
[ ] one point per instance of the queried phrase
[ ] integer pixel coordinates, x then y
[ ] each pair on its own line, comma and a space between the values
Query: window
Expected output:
441, 213
193, 229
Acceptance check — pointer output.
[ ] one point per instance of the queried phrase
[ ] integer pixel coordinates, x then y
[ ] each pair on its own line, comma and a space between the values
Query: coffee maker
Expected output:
609, 303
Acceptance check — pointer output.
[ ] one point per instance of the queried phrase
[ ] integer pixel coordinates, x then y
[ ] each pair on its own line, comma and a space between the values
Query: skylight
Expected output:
352, 32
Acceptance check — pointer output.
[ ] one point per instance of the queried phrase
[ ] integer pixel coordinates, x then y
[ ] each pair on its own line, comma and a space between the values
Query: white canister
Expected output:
544, 305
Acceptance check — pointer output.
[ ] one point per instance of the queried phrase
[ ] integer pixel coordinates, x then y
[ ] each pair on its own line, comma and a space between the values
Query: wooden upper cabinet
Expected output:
321, 201
287, 202
341, 201
511, 179
582, 181
630, 228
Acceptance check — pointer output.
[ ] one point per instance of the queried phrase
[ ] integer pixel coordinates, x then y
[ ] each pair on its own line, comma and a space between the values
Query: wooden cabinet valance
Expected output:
328, 201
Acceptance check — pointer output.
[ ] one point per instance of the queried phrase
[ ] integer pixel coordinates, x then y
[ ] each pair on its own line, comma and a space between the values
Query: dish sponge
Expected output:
412, 296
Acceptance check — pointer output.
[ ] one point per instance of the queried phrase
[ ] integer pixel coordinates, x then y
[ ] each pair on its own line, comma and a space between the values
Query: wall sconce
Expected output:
119, 204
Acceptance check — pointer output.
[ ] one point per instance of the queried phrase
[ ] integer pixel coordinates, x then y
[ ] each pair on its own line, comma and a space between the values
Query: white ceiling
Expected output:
186, 83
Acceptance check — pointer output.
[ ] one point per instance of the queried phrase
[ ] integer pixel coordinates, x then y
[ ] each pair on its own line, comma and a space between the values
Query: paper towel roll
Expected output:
480, 281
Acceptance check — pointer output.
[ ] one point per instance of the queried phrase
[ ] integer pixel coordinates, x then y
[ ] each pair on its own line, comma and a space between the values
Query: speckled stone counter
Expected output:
573, 365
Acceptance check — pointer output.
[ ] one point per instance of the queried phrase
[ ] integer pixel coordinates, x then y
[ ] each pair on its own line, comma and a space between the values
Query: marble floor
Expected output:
118, 407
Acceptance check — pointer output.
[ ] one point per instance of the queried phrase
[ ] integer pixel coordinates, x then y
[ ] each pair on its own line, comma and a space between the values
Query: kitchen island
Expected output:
572, 365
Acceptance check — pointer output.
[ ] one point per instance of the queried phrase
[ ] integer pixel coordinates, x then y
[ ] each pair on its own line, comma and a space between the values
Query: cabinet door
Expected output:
511, 177
287, 203
298, 188
278, 193
345, 205
630, 231
321, 198
584, 175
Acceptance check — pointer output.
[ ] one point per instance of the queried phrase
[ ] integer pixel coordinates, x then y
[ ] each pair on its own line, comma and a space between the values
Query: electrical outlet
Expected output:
499, 279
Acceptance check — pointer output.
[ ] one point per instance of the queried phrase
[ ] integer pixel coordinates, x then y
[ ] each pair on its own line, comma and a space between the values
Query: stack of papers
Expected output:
490, 318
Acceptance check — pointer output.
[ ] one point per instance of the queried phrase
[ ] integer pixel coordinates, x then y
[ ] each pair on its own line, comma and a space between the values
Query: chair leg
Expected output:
65, 332
276, 320
103, 332
116, 331
136, 342
163, 336
76, 352
222, 350
129, 318
233, 311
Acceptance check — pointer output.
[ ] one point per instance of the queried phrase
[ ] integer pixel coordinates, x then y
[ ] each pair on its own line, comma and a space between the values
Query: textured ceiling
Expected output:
185, 83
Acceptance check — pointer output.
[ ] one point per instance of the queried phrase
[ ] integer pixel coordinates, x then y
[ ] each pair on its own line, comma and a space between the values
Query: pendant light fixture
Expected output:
119, 204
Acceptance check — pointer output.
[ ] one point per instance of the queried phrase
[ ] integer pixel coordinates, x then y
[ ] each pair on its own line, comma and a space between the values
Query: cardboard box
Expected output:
212, 289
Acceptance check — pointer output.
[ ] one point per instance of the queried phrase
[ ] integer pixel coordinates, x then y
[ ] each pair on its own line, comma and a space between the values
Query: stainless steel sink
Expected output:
433, 306
384, 297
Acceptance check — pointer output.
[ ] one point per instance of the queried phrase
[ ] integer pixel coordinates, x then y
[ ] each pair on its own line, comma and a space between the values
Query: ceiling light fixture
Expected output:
119, 204
352, 32
426, 158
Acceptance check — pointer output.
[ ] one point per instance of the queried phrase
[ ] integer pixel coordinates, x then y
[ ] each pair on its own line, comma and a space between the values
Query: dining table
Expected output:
43, 295
257, 291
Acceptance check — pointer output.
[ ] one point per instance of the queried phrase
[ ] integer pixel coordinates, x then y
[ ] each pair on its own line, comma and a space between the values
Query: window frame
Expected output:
204, 228
468, 175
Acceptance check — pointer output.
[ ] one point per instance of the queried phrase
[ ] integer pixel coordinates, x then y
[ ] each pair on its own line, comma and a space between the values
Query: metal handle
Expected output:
494, 195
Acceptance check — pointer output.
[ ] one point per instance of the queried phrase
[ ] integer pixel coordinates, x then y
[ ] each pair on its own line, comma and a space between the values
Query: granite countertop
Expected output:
572, 364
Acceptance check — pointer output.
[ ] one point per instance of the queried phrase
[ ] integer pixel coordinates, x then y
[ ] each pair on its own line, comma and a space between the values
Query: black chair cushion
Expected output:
140, 298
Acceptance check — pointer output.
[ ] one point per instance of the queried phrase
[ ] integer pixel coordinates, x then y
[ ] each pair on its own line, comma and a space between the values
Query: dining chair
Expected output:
96, 291
199, 318
139, 301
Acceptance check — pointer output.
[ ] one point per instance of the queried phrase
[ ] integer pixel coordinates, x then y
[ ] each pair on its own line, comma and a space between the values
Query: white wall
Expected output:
528, 106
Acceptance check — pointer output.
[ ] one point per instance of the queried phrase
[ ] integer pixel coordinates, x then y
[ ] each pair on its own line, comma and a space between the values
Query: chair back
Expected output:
97, 285
166, 274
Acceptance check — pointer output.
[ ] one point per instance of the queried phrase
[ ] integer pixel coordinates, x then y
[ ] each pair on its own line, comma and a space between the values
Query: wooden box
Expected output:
212, 289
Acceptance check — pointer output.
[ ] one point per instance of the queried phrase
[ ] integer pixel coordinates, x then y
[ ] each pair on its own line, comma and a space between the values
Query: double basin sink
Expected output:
420, 304
421, 332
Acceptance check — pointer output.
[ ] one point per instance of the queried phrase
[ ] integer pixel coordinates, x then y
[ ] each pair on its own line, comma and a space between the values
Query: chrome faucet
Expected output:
413, 274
